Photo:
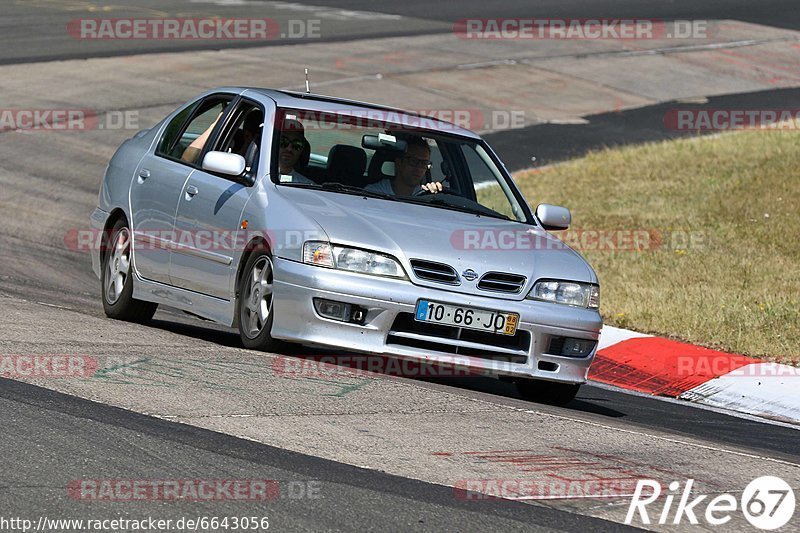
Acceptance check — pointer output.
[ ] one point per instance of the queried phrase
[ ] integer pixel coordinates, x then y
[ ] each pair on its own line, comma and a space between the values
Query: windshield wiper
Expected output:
441, 202
351, 189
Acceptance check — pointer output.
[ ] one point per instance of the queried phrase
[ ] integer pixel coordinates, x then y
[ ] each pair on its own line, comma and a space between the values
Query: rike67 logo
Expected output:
767, 502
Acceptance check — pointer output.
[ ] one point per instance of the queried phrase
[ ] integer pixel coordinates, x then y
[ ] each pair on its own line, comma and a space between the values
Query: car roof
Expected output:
330, 104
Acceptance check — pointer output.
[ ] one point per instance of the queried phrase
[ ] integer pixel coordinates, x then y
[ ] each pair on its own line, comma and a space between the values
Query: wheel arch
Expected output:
113, 217
257, 244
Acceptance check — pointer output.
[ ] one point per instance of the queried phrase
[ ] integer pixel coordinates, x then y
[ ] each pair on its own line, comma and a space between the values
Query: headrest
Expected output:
381, 166
346, 164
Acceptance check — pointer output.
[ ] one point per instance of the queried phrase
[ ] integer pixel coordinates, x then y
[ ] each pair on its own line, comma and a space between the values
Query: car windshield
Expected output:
371, 154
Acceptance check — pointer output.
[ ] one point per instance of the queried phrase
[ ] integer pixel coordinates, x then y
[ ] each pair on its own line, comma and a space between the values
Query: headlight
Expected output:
365, 262
567, 292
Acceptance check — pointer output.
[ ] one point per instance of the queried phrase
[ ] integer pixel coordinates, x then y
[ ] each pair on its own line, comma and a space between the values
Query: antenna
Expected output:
308, 88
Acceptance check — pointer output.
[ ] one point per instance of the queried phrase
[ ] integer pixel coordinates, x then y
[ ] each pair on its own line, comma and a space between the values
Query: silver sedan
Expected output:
331, 223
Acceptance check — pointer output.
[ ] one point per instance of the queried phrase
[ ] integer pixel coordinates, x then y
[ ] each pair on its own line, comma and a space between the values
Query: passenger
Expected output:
293, 149
410, 168
251, 130
192, 152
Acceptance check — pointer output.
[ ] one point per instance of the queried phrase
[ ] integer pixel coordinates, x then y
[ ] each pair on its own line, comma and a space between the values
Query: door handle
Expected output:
191, 190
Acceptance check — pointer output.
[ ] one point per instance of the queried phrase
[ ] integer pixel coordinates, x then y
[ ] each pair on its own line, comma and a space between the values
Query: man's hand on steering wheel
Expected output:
433, 187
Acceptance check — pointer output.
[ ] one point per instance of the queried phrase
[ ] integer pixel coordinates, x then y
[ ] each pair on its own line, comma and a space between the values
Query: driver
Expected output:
410, 168
293, 151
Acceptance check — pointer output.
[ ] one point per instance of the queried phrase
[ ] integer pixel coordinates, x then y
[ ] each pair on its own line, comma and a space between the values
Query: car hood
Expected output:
461, 240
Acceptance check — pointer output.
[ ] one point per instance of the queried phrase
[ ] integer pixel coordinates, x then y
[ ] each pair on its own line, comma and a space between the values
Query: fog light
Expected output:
333, 310
340, 311
569, 347
577, 347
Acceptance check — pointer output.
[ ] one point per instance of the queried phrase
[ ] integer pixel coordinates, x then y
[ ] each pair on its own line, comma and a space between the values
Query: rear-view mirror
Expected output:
383, 141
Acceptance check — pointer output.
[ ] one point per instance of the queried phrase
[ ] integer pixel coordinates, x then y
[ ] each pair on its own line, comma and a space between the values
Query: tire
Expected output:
255, 304
547, 392
116, 280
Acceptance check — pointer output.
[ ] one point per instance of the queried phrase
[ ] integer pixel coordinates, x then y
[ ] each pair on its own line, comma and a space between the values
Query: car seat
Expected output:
346, 165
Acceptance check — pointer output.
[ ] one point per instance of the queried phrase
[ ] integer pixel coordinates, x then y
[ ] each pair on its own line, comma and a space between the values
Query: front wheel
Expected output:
256, 303
116, 280
547, 392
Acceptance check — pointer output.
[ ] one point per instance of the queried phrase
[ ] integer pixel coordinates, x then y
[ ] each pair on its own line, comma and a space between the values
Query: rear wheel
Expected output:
116, 281
547, 392
256, 303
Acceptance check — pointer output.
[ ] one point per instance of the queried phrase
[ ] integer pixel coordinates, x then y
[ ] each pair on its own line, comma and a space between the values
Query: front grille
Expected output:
501, 282
449, 339
431, 271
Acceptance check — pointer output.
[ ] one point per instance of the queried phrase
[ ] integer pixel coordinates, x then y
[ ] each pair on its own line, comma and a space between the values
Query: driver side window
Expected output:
168, 145
199, 130
243, 135
196, 131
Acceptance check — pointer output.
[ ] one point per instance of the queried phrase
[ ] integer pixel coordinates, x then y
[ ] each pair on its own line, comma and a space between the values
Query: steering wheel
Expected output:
425, 192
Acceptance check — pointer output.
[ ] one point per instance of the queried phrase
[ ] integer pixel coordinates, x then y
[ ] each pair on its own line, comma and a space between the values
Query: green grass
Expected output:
737, 287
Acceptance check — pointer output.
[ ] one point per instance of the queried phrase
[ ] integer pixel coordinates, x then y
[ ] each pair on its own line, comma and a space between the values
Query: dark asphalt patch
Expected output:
551, 143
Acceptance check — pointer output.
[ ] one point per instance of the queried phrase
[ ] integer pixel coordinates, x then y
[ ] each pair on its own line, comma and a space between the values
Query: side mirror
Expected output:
224, 163
553, 217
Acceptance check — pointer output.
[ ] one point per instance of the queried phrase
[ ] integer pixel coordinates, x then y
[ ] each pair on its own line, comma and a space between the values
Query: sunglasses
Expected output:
296, 144
416, 162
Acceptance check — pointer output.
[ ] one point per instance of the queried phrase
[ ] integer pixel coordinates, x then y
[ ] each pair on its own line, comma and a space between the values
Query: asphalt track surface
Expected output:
51, 438
773, 13
34, 30
63, 437
551, 143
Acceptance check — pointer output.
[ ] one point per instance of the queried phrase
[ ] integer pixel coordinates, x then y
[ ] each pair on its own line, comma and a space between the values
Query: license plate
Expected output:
467, 317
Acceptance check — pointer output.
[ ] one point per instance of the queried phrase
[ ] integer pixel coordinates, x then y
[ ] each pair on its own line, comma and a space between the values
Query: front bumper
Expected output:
389, 302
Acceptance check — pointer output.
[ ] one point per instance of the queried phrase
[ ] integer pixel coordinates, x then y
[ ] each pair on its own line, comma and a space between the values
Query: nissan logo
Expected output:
469, 274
